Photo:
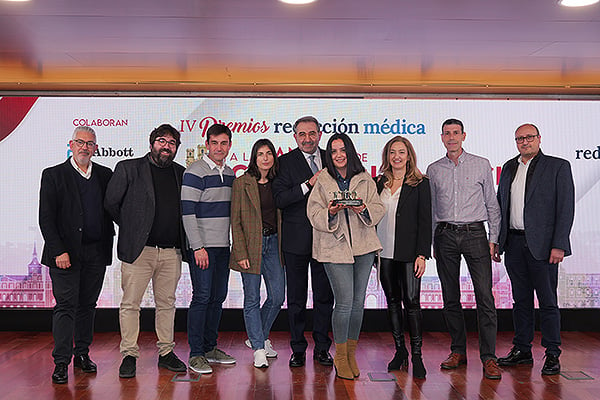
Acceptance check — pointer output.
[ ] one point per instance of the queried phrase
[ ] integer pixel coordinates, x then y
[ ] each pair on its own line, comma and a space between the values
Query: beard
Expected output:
163, 157
82, 157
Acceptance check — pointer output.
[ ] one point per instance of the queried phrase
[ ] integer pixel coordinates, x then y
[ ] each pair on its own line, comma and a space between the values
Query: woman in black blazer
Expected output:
405, 234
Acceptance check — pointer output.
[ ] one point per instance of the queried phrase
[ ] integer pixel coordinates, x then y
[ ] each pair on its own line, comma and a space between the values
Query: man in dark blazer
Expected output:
144, 199
298, 171
537, 201
78, 238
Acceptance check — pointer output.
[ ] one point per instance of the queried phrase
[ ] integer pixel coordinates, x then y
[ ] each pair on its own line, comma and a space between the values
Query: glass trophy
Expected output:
346, 198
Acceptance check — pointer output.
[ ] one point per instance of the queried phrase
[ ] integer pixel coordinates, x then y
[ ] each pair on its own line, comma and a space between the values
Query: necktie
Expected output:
312, 164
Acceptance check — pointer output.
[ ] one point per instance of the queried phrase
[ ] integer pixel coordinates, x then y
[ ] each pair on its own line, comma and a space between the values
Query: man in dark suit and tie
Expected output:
78, 237
298, 171
537, 201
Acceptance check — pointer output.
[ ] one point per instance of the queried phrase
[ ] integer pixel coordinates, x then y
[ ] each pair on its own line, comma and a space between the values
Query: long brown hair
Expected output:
412, 176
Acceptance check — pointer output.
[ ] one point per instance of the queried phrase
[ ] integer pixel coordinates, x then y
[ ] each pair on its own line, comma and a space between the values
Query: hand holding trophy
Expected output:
345, 199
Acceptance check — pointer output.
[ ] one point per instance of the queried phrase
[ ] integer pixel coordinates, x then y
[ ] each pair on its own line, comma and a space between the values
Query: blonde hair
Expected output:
413, 176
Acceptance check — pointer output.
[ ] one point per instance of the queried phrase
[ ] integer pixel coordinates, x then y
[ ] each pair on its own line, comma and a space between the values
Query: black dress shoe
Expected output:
551, 366
84, 363
171, 362
323, 357
60, 374
297, 359
127, 368
515, 357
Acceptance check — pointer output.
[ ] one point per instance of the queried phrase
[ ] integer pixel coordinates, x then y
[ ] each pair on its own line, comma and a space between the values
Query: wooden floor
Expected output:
26, 365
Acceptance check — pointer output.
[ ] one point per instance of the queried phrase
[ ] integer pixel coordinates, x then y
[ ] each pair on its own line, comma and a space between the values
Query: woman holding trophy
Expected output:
344, 209
405, 234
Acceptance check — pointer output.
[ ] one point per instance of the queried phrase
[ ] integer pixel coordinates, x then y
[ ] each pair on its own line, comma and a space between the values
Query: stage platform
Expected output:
26, 366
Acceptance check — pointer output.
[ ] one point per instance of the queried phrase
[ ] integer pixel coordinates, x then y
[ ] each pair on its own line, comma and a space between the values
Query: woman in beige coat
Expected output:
255, 253
345, 241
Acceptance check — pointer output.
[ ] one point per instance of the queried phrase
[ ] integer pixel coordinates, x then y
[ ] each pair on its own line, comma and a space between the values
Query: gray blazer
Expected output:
130, 201
549, 204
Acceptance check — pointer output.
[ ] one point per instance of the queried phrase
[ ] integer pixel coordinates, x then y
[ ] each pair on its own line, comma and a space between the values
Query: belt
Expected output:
160, 246
519, 232
473, 226
269, 231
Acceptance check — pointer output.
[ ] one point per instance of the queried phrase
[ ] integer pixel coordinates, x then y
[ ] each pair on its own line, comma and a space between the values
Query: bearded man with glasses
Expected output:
144, 199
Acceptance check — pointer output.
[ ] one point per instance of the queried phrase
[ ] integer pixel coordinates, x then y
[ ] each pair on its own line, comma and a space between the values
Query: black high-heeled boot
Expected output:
416, 341
400, 359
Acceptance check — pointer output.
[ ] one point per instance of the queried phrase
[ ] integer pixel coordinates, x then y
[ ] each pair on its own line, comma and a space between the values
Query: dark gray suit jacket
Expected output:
296, 230
130, 201
549, 204
61, 214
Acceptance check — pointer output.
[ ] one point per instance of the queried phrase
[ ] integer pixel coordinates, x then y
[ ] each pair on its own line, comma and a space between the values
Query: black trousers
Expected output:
296, 273
76, 290
402, 287
473, 245
526, 276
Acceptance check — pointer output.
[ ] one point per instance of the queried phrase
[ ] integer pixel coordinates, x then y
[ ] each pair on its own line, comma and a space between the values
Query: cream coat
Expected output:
331, 241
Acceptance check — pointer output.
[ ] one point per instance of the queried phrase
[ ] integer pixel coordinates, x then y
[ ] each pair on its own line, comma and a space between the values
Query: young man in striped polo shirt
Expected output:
206, 200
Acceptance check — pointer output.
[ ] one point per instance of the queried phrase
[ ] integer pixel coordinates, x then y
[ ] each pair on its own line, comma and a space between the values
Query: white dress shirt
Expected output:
386, 229
87, 174
517, 196
319, 163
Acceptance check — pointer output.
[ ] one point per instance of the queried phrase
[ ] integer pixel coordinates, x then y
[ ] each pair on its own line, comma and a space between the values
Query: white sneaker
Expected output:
260, 359
271, 353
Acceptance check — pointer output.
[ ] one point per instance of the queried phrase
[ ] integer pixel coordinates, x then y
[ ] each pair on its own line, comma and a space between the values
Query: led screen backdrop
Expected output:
34, 134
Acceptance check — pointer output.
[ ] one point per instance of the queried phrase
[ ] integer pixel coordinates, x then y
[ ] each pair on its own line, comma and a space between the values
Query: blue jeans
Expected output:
349, 284
209, 290
259, 320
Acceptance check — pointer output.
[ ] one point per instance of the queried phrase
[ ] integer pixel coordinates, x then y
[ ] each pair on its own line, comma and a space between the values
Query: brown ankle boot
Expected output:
340, 361
352, 357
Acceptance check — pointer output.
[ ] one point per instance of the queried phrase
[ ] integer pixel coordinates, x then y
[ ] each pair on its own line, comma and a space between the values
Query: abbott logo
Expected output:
588, 154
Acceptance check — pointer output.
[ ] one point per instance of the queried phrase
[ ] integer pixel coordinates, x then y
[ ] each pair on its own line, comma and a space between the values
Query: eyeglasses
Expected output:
529, 138
164, 141
81, 143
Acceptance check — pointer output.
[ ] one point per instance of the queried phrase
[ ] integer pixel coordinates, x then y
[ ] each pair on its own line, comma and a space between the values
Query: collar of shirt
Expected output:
317, 155
343, 183
87, 174
520, 160
463, 156
213, 165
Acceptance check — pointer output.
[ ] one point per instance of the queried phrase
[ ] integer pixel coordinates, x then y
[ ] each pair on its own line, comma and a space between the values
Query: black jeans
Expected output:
296, 275
526, 276
76, 290
402, 287
473, 245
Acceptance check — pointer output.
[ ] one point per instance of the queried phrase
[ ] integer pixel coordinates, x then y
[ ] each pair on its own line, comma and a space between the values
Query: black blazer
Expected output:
296, 230
413, 221
61, 214
130, 201
549, 205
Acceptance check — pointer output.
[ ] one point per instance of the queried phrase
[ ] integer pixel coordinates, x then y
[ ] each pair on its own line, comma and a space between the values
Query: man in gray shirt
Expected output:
462, 198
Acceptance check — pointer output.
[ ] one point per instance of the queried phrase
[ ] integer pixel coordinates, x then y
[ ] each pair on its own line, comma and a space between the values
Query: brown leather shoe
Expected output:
491, 370
454, 360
